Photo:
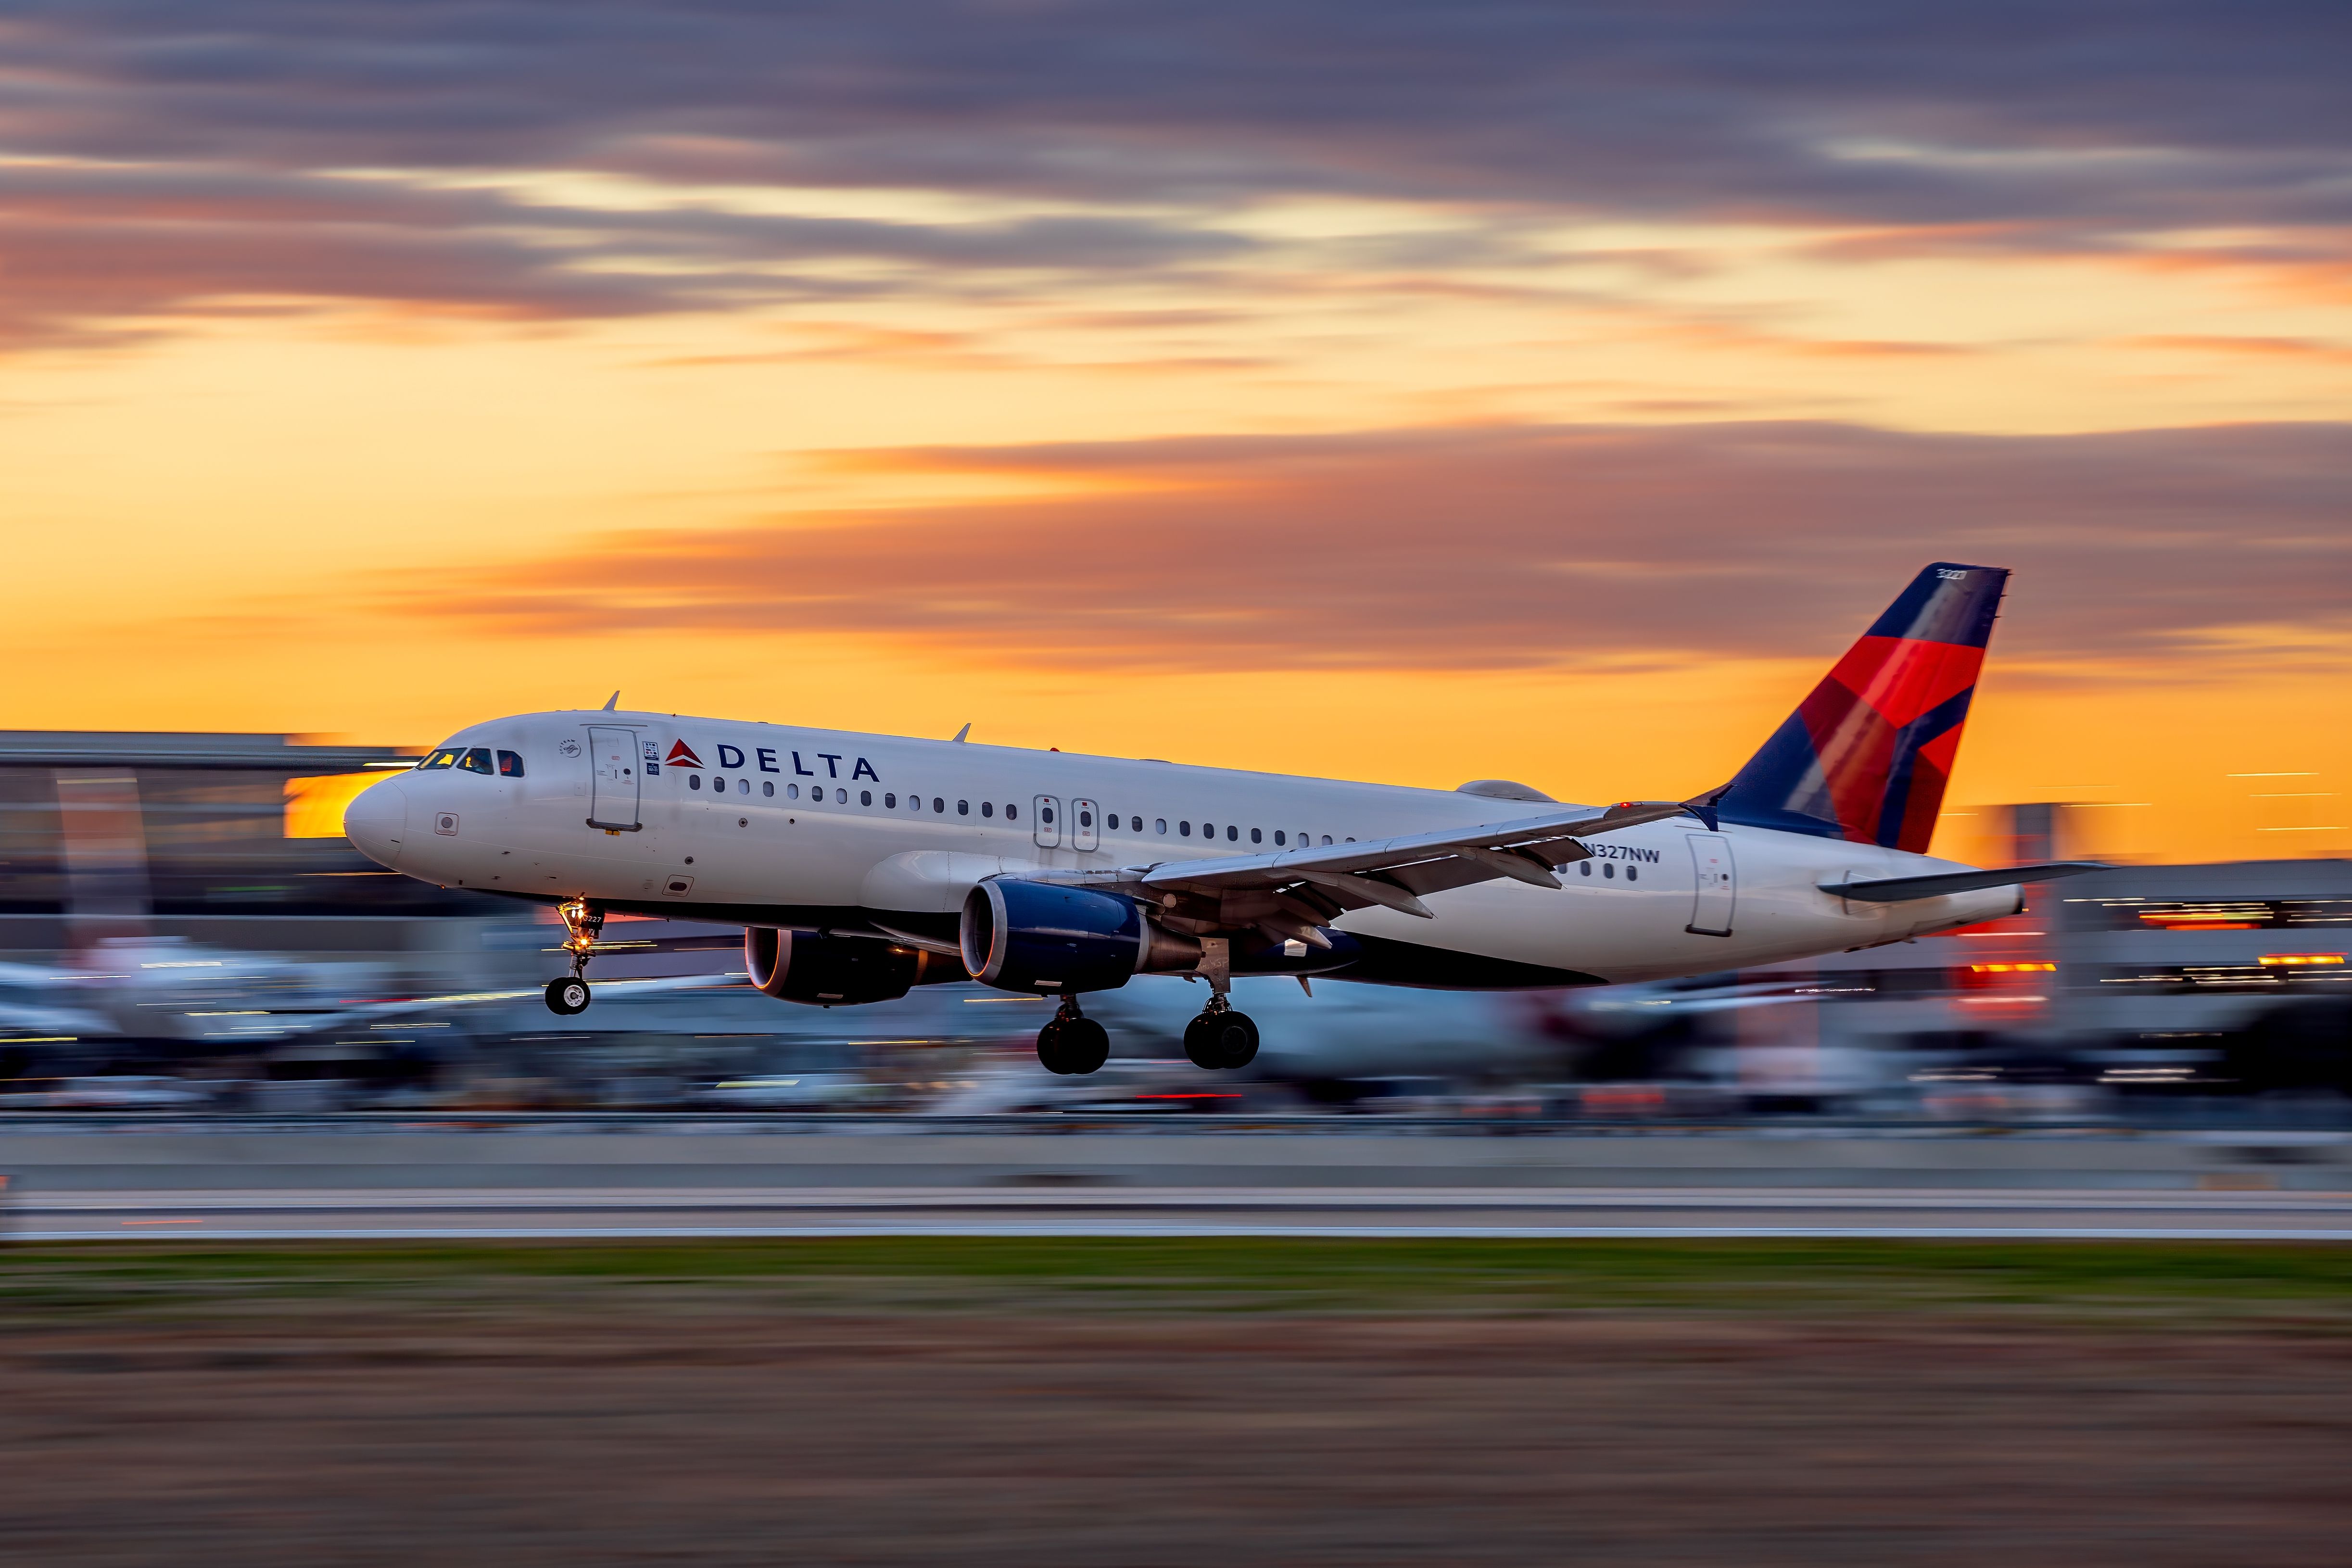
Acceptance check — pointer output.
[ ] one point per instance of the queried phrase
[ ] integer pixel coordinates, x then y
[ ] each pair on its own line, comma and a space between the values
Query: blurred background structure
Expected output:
186, 930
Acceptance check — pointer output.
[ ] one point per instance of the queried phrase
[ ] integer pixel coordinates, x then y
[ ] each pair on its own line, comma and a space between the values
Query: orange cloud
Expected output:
1496, 547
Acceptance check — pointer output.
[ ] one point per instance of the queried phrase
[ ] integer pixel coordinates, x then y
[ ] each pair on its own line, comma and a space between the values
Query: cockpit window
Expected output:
509, 764
446, 757
477, 761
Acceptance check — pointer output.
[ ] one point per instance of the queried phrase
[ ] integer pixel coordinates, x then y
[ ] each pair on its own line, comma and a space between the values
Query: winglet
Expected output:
1703, 807
610, 702
959, 734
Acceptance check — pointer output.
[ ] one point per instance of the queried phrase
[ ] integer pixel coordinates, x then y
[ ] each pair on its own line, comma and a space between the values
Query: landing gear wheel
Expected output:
1221, 1040
1072, 1044
1084, 1045
1049, 1048
567, 995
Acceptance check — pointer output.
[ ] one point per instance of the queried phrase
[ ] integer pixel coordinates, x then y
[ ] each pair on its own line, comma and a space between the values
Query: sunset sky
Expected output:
1416, 392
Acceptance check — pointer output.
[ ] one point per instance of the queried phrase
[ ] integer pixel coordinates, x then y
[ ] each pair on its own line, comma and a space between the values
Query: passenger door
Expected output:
1083, 831
1716, 888
1047, 828
614, 781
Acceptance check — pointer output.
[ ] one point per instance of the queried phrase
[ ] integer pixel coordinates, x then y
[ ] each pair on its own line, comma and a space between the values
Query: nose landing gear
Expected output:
1221, 1038
583, 924
1072, 1044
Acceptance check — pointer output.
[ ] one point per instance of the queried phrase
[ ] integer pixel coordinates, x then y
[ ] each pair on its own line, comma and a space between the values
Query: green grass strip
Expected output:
1208, 1273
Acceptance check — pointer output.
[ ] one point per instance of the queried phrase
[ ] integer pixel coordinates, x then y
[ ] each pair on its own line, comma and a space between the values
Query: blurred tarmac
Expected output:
641, 1177
637, 1213
819, 1154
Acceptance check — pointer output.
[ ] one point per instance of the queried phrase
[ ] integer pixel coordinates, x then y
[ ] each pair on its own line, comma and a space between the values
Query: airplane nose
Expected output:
376, 820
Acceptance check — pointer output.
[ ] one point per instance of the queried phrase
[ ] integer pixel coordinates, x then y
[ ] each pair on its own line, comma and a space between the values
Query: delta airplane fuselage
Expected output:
825, 830
862, 865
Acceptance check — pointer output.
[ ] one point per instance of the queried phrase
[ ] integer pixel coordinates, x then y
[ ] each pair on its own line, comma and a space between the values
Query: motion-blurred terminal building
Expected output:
2142, 972
234, 839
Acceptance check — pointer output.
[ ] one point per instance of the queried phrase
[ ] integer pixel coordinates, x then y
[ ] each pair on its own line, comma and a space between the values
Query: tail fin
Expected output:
1867, 755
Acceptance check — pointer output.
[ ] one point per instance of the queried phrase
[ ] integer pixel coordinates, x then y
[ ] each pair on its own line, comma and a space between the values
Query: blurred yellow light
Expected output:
2277, 960
314, 807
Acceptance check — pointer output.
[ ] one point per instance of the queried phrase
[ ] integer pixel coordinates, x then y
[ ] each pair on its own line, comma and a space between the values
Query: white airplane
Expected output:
861, 866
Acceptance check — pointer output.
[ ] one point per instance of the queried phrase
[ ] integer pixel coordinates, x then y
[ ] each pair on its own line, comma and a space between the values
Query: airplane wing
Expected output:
1393, 873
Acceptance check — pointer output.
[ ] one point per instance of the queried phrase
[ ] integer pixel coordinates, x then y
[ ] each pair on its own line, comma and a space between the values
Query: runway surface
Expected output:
583, 1215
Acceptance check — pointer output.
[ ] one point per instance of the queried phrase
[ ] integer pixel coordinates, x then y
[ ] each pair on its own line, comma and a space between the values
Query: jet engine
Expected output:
837, 971
1046, 936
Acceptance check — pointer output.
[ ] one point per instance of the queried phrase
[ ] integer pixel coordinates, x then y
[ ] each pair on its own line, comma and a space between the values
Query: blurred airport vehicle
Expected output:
812, 1091
126, 1091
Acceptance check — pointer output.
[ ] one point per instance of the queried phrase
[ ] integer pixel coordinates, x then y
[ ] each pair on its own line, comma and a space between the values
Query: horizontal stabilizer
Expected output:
1901, 890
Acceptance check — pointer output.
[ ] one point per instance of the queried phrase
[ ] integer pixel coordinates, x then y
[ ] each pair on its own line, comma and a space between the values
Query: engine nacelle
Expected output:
836, 971
1046, 936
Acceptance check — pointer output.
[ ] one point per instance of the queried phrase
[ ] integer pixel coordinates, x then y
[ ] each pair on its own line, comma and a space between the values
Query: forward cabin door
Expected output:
1046, 824
613, 786
1083, 830
1716, 885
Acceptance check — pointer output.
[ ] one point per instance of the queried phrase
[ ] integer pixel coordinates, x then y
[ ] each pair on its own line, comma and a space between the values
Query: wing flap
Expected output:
1394, 872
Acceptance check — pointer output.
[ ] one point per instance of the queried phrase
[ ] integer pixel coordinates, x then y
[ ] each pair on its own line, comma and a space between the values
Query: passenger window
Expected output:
1208, 830
1327, 839
987, 808
937, 804
768, 786
1633, 873
1012, 813
1609, 870
718, 785
1233, 833
477, 761
444, 758
963, 808
791, 792
1046, 816
890, 802
1184, 829
742, 787
1085, 819
1256, 836
841, 797
1159, 824
694, 781
1584, 868
510, 764
866, 797
1277, 835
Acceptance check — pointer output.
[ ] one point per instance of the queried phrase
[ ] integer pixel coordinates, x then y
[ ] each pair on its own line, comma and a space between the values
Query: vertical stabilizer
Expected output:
1867, 755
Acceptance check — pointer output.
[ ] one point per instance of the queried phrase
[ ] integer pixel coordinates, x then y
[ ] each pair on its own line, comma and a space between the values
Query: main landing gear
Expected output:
1221, 1038
1072, 1043
581, 926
